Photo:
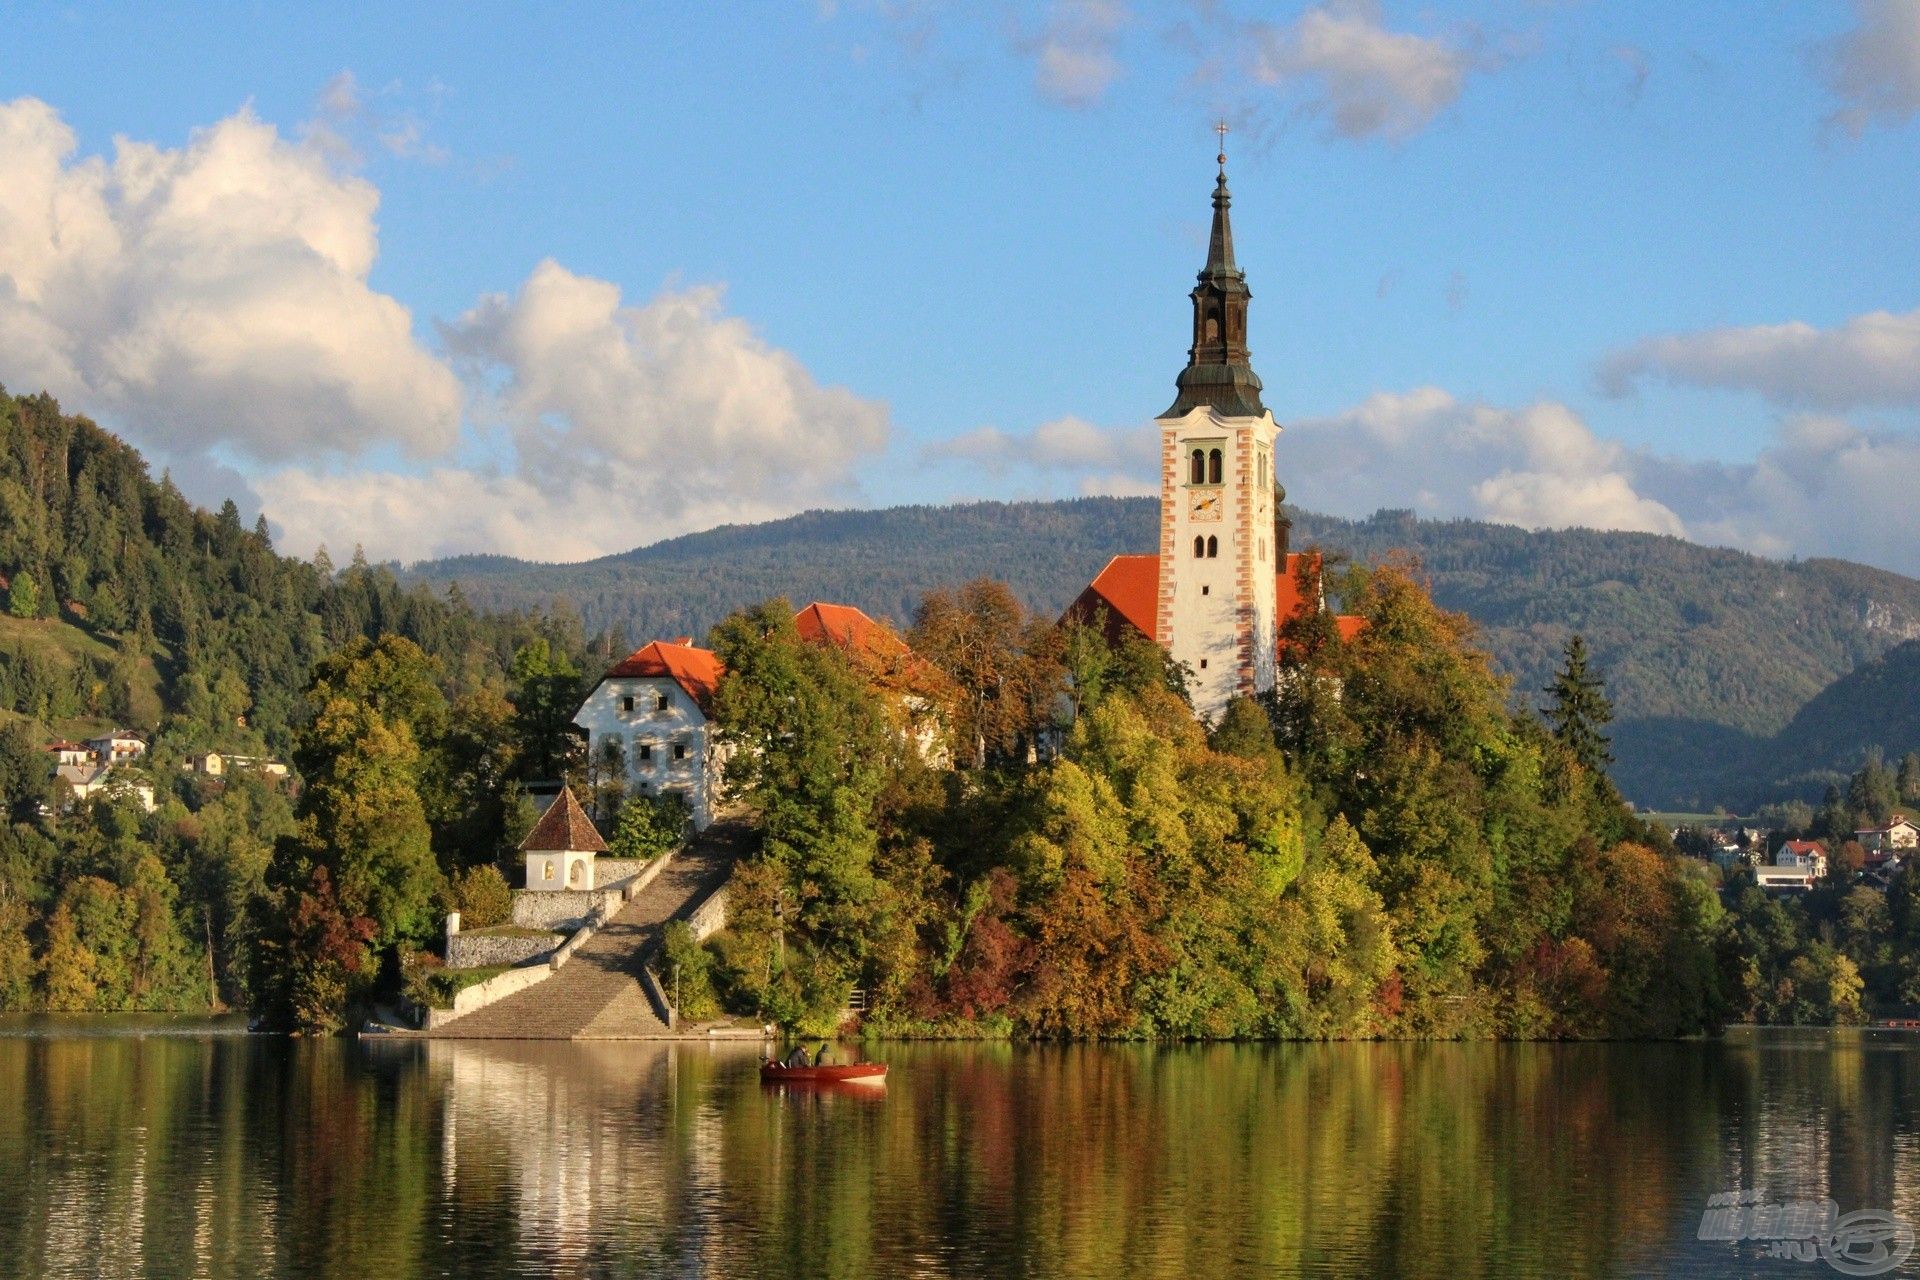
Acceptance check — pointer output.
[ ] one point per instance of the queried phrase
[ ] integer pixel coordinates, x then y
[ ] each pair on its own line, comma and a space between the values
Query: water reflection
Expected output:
232, 1156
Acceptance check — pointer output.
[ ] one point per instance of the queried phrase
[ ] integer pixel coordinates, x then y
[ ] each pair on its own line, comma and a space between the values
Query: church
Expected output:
1224, 580
1216, 594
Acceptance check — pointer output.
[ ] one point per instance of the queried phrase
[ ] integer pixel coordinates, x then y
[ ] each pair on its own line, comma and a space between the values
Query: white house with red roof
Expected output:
656, 705
1805, 855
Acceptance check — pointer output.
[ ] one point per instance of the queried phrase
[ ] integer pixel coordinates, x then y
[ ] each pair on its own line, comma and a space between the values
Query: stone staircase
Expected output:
596, 995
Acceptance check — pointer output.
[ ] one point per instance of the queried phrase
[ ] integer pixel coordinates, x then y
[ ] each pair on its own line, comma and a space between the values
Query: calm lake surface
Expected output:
179, 1148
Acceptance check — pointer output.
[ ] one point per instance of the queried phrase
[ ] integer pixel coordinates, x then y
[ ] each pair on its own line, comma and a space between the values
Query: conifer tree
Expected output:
23, 596
1580, 710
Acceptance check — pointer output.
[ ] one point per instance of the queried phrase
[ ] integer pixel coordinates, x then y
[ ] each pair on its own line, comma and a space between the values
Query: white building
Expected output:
70, 753
655, 705
122, 746
1898, 834
215, 764
1784, 879
86, 781
1806, 855
561, 847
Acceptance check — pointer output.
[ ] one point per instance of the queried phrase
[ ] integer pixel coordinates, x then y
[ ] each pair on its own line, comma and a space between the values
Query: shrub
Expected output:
649, 826
482, 898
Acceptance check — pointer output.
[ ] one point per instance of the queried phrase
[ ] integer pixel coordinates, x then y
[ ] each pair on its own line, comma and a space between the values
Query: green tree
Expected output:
546, 693
649, 826
23, 596
1579, 711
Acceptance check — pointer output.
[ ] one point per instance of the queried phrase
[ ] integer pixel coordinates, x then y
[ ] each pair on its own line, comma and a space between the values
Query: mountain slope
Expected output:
1707, 652
1877, 705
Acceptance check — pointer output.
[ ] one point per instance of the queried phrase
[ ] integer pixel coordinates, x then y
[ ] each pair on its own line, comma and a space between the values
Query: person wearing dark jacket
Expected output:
798, 1058
820, 1059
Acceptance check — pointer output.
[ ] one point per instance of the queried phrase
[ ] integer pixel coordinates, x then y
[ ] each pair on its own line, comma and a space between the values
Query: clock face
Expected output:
1204, 506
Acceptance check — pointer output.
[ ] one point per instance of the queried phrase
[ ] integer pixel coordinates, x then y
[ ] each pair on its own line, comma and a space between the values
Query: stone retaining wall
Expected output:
475, 950
710, 917
564, 910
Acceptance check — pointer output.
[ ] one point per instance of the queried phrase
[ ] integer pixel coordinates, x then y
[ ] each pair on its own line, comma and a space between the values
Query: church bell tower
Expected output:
1219, 556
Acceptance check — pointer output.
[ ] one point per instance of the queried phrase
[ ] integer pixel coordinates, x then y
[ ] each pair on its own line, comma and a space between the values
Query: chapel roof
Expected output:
564, 828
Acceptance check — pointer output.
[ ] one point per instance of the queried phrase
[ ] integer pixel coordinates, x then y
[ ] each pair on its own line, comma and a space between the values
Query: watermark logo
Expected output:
1866, 1242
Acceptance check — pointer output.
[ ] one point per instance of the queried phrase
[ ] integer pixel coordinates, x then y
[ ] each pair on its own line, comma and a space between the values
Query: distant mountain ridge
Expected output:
1708, 652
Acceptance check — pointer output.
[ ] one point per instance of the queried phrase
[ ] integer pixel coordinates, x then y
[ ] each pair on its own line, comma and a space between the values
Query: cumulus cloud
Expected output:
625, 424
1872, 359
213, 294
1088, 459
1075, 58
1874, 69
1339, 61
1538, 466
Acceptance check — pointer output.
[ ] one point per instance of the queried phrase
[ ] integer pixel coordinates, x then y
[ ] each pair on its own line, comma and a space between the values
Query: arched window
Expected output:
1213, 466
1199, 471
1213, 548
1199, 546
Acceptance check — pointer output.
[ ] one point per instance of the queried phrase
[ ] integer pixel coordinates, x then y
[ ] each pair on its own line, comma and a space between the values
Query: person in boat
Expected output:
798, 1058
820, 1059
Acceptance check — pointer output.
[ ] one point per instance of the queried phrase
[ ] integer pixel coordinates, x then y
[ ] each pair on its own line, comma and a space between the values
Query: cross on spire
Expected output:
1221, 129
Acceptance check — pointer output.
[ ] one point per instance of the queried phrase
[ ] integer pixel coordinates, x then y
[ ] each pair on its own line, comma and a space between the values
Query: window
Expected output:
1199, 546
679, 751
626, 703
1213, 466
1263, 548
1206, 591
661, 703
1213, 548
646, 751
1198, 471
546, 871
1203, 664
573, 872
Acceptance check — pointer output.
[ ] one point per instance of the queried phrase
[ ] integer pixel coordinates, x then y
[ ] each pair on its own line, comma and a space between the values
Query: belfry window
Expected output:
1199, 547
1198, 473
1213, 466
1213, 548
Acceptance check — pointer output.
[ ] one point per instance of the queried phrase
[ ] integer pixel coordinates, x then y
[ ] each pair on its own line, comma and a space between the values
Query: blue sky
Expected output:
473, 278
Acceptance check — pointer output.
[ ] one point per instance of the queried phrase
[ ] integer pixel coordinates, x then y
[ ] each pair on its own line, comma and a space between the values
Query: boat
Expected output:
851, 1073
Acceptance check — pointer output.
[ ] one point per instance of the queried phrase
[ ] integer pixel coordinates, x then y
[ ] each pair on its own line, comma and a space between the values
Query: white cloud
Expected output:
1092, 459
1539, 466
626, 424
1339, 61
1872, 359
1874, 69
213, 294
1075, 59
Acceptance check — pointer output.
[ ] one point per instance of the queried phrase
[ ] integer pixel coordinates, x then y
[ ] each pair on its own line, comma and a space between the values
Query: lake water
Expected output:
156, 1148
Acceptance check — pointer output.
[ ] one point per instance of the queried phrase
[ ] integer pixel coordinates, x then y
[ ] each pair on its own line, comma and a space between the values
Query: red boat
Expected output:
852, 1073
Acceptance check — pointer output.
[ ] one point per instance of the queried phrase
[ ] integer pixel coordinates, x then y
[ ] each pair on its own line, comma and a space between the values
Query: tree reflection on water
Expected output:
239, 1156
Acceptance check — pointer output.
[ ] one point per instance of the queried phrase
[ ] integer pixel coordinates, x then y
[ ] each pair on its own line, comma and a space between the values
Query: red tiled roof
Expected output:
63, 745
848, 627
1129, 589
1805, 846
565, 826
697, 671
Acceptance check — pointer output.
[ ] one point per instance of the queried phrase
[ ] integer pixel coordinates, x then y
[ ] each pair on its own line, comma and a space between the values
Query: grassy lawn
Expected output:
66, 645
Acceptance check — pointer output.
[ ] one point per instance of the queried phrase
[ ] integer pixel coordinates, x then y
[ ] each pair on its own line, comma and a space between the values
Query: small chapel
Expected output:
1224, 580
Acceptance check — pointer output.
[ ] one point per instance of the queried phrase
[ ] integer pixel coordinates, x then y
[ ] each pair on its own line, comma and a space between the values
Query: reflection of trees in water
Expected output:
243, 1157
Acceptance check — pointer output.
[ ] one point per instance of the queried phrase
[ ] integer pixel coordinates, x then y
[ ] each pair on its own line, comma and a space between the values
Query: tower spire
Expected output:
1219, 373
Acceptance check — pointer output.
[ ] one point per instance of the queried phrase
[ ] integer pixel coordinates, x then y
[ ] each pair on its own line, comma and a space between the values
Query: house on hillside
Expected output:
122, 746
918, 692
86, 781
70, 753
215, 764
1784, 879
1885, 843
1805, 855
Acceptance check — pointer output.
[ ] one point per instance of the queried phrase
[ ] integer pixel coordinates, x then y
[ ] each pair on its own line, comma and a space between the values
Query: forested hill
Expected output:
128, 606
1707, 652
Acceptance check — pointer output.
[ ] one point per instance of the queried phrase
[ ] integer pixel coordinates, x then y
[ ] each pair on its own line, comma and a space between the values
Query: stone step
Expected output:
597, 994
